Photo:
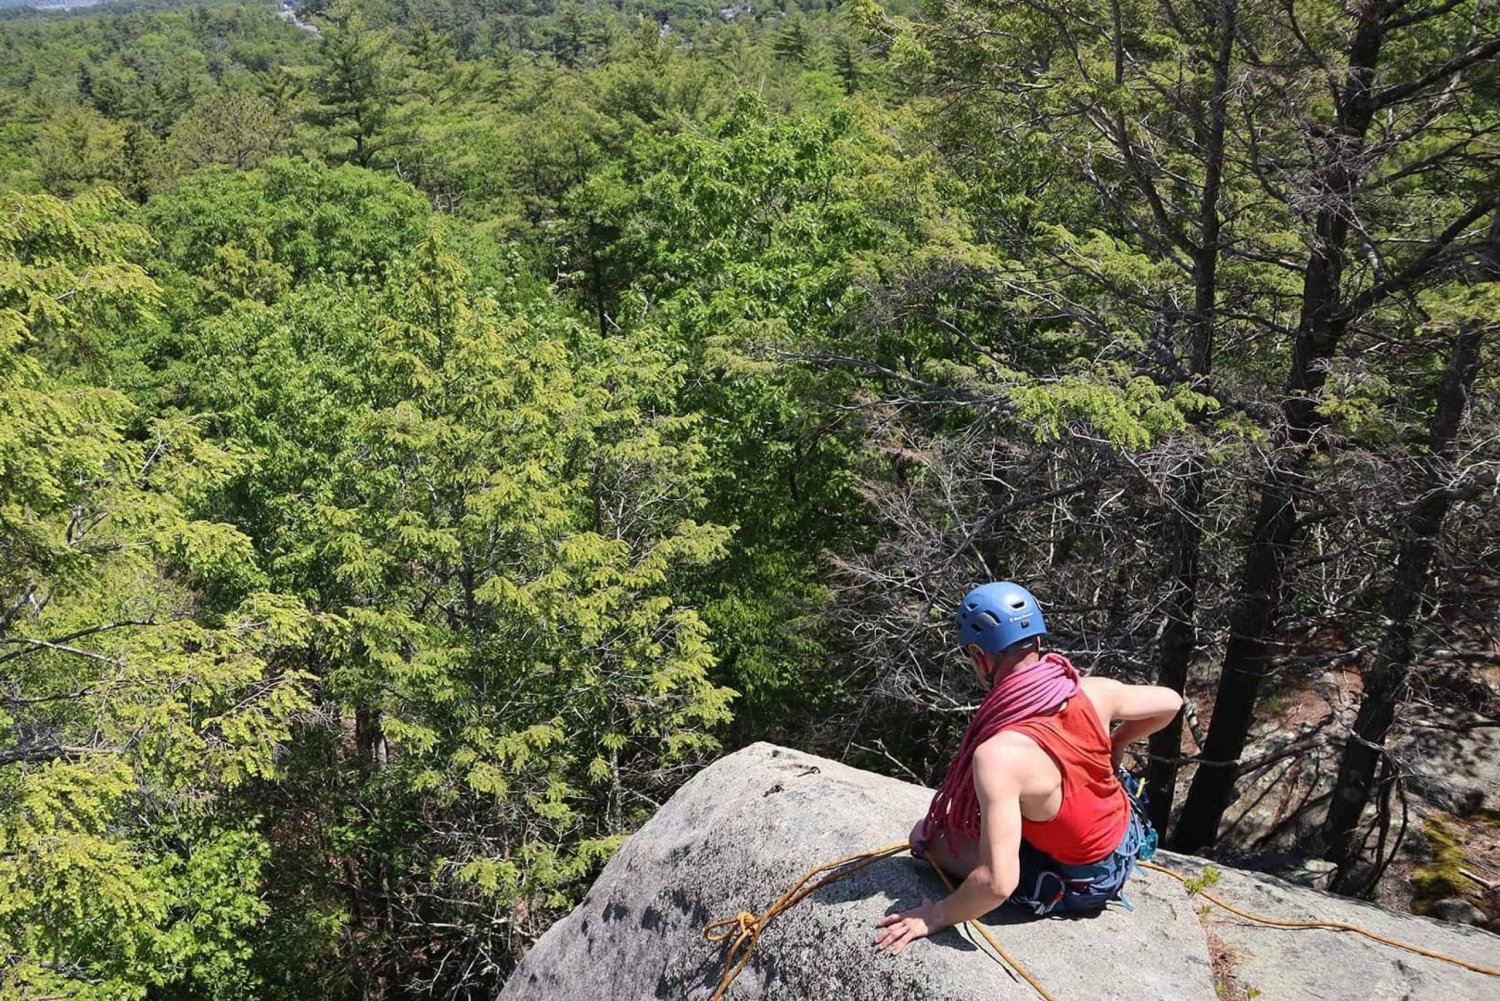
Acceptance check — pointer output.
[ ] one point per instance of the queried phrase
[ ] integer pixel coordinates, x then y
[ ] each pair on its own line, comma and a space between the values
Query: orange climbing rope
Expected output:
746, 928
1334, 925
750, 926
1006, 957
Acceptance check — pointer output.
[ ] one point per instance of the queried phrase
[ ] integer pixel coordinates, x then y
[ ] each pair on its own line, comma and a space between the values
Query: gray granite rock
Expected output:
1456, 910
737, 835
1456, 770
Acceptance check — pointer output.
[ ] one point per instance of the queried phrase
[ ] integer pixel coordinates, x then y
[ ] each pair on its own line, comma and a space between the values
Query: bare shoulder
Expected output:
1115, 700
1104, 693
1005, 752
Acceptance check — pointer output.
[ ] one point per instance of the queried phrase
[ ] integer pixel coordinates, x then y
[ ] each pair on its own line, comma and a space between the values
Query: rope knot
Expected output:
746, 924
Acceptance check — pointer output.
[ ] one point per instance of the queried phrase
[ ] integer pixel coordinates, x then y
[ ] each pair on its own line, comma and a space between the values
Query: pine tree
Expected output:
792, 41
355, 88
847, 64
136, 644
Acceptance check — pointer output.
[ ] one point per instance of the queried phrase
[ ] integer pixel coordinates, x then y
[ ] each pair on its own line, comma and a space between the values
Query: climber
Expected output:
1030, 811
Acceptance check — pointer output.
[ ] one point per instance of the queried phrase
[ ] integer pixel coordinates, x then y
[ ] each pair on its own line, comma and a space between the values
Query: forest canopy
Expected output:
431, 432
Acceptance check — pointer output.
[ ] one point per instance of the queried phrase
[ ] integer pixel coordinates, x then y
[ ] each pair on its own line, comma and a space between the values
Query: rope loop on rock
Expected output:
746, 928
747, 923
749, 927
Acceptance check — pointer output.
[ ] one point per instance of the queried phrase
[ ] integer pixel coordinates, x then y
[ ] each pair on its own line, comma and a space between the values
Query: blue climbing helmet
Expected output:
997, 615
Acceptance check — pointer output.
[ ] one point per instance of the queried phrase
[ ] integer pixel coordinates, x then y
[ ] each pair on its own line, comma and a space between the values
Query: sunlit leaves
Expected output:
136, 643
1129, 413
494, 511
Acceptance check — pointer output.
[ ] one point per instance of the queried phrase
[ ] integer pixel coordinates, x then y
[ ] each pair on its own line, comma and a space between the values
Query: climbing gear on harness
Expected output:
1062, 888
997, 615
1135, 791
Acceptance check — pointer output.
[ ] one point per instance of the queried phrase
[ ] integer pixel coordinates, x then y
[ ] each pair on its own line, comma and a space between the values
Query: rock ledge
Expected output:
744, 828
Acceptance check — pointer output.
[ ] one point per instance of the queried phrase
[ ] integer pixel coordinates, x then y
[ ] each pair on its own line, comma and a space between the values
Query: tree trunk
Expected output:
1180, 634
369, 737
1179, 640
1320, 327
1385, 682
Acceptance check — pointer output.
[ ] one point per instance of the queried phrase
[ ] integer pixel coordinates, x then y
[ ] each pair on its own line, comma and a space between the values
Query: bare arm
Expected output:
1140, 710
996, 781
999, 870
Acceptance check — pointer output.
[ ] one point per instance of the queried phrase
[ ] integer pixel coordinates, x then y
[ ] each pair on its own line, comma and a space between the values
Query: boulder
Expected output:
1456, 910
741, 831
1456, 767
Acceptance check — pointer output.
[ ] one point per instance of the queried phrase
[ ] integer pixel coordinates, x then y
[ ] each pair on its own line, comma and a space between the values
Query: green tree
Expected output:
1436, 482
792, 41
748, 242
139, 652
143, 163
431, 50
575, 33
237, 128
78, 147
496, 512
280, 90
340, 220
848, 64
1197, 220
356, 84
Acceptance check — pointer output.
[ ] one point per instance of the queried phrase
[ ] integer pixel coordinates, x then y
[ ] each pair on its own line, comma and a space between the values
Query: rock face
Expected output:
1456, 910
737, 835
1456, 771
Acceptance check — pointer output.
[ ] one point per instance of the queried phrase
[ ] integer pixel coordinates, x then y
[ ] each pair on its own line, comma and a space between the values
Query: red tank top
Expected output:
1094, 813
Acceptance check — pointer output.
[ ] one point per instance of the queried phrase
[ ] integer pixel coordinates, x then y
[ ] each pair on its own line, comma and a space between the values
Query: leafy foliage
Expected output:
141, 680
428, 432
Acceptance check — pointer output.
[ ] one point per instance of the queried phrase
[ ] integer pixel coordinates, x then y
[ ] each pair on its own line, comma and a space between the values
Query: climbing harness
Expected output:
1052, 887
745, 928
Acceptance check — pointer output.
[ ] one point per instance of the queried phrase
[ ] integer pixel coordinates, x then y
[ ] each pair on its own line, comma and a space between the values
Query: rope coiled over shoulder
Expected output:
1031, 691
